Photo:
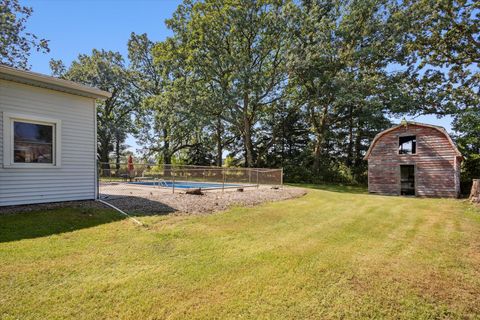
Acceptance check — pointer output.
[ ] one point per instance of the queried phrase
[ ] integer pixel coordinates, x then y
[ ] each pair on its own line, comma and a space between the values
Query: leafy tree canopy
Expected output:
105, 70
15, 42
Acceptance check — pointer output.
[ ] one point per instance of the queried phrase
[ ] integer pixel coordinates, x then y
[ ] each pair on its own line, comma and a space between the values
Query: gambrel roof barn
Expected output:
414, 159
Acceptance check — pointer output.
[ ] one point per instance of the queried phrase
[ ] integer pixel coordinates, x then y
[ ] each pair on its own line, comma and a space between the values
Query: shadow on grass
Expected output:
41, 220
139, 206
333, 188
35, 224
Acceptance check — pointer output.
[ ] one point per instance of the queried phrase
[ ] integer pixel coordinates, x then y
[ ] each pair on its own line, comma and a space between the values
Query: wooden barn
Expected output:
414, 159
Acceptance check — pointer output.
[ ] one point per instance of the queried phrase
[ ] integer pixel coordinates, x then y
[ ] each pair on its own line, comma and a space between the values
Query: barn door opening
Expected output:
407, 180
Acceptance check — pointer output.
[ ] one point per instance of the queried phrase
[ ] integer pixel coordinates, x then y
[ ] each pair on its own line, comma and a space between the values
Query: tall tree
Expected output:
467, 126
338, 70
442, 39
237, 48
15, 43
145, 74
168, 119
105, 70
284, 137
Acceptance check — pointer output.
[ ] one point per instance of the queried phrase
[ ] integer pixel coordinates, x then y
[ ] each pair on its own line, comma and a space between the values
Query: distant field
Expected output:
335, 253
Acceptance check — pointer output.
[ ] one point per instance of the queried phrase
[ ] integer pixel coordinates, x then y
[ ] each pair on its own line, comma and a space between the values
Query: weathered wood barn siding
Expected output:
437, 162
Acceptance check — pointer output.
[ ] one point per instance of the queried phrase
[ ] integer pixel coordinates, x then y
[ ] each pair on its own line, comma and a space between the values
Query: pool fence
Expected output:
138, 179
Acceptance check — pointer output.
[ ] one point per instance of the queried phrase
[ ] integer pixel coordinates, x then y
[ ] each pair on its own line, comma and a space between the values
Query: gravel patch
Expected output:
174, 203
181, 202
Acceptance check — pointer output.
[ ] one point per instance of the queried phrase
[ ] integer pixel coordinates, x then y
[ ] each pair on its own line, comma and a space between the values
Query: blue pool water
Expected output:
186, 185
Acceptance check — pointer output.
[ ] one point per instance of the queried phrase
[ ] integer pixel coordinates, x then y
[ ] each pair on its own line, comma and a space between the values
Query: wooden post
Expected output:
257, 178
475, 193
281, 177
173, 181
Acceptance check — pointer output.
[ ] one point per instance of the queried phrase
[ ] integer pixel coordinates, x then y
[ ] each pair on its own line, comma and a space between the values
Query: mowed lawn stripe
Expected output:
334, 253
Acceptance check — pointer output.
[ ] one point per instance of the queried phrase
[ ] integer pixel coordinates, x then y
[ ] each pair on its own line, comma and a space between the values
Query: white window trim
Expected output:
8, 119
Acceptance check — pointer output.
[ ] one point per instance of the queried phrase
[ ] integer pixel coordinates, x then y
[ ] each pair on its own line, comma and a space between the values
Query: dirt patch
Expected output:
86, 204
181, 202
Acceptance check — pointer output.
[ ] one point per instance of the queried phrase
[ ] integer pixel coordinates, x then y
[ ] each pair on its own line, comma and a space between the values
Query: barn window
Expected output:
407, 145
31, 141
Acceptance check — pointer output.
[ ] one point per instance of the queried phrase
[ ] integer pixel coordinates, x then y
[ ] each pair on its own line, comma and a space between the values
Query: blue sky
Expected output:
77, 26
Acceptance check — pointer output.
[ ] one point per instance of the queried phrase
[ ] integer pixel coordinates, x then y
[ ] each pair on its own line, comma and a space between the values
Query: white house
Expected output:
48, 146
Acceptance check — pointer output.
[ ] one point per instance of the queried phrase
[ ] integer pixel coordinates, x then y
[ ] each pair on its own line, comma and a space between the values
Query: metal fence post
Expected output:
257, 179
173, 180
223, 179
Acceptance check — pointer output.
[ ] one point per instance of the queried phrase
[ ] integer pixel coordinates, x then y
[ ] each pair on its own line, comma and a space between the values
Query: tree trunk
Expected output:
219, 142
320, 137
475, 193
349, 160
117, 154
247, 132
283, 142
167, 155
247, 140
317, 153
358, 158
104, 164
104, 152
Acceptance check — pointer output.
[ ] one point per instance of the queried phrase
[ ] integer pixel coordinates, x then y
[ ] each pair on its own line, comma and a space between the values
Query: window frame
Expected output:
9, 144
416, 145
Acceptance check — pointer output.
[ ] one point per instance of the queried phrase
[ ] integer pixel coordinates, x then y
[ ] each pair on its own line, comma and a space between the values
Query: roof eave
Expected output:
441, 129
43, 81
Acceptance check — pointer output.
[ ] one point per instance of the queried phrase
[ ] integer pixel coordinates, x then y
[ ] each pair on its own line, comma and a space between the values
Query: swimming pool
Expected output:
186, 184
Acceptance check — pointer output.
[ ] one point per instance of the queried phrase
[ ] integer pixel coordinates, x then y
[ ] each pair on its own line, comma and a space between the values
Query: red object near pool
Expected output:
130, 167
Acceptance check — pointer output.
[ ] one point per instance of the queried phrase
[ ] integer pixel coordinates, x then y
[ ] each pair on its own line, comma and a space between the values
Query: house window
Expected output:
30, 141
33, 142
407, 145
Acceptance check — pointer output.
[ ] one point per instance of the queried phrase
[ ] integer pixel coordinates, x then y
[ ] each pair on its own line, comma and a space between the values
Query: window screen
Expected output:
407, 145
32, 142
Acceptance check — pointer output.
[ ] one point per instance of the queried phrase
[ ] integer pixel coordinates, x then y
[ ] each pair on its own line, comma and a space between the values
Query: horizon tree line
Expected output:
303, 85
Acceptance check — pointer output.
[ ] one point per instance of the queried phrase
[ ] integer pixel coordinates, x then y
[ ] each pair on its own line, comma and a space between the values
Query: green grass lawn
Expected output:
334, 253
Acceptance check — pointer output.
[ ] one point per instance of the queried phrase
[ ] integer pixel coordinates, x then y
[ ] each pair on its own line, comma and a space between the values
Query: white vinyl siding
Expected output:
75, 178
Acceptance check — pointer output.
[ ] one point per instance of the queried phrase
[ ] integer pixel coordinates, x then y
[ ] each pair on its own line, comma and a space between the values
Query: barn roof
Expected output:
43, 81
439, 128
